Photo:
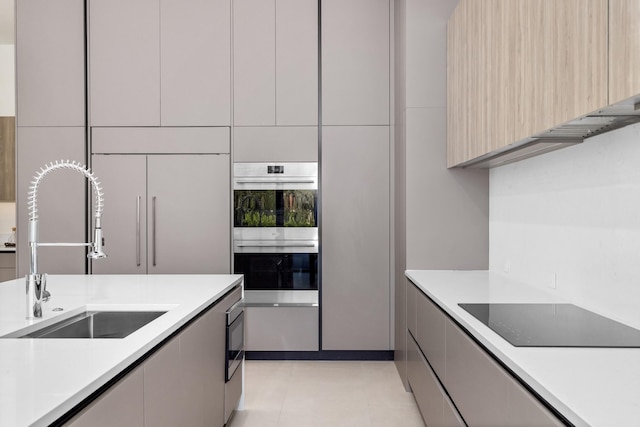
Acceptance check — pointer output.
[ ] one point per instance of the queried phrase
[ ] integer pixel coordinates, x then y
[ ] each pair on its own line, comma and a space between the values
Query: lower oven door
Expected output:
277, 271
235, 339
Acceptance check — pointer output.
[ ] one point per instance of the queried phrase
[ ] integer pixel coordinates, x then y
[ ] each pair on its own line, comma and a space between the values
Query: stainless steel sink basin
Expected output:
97, 324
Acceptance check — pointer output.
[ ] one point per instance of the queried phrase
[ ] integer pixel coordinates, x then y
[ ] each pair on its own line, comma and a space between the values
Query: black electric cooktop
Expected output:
553, 325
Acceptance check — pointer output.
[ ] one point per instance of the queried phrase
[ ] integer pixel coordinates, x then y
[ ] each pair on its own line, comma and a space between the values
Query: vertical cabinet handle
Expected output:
138, 243
153, 230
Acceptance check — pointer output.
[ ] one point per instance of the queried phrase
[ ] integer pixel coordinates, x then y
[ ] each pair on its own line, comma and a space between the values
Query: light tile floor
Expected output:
323, 394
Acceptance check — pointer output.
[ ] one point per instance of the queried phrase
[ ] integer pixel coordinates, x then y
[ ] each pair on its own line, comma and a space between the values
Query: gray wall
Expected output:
442, 215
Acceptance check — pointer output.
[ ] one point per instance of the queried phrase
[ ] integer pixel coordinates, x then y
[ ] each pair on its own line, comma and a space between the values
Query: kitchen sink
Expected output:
97, 324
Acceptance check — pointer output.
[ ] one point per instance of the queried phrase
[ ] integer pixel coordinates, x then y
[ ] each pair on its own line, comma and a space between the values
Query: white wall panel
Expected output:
573, 217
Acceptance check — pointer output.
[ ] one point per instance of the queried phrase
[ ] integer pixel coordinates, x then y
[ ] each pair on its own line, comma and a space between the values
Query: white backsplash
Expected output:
571, 219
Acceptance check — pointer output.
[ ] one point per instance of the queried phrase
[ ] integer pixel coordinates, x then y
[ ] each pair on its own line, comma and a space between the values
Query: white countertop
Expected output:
4, 248
42, 379
589, 386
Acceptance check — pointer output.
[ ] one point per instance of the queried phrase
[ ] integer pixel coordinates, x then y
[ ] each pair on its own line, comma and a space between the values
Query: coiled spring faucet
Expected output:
37, 282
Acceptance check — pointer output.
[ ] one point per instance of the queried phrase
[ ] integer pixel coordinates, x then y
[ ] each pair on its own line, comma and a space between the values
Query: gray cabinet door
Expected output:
164, 392
121, 405
202, 359
50, 63
355, 62
355, 238
61, 198
275, 62
124, 62
195, 62
124, 220
431, 333
188, 199
254, 59
296, 62
475, 383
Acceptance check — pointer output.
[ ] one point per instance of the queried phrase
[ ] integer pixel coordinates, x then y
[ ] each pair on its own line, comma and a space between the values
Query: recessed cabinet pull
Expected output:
153, 230
138, 243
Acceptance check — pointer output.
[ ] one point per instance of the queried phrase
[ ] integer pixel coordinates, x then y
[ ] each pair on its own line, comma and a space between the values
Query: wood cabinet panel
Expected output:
520, 67
50, 63
7, 260
7, 159
7, 266
624, 49
564, 72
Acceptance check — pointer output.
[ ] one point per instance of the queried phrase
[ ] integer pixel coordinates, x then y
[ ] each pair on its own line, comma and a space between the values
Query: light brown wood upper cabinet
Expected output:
624, 49
519, 67
7, 159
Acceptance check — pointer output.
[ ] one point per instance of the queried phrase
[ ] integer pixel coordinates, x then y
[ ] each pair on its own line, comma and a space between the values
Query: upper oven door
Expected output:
275, 195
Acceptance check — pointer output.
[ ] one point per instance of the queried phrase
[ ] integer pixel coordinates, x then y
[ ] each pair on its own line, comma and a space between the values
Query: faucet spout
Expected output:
36, 282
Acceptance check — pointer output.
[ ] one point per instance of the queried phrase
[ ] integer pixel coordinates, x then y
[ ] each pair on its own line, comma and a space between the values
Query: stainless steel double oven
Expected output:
276, 231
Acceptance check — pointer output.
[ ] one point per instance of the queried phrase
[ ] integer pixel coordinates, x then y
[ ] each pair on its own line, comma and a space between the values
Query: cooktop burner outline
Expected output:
553, 325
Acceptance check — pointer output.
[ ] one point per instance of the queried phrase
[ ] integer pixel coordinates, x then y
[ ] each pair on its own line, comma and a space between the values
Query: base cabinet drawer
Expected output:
477, 389
7, 266
435, 407
281, 328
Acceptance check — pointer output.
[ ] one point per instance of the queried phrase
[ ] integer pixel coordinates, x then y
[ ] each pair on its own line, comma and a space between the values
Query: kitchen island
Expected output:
44, 379
581, 386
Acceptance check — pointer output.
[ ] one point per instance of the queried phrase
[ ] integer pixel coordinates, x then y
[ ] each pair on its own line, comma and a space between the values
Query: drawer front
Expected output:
424, 385
477, 385
525, 410
281, 328
232, 393
431, 333
7, 260
412, 294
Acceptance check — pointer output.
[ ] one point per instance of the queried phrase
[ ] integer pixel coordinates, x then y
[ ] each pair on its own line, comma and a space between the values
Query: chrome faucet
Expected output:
37, 282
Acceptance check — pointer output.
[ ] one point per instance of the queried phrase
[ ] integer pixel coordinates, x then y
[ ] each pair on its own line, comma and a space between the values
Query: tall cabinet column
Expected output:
50, 101
356, 178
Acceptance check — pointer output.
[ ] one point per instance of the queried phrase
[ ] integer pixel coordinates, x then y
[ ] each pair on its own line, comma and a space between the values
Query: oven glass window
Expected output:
288, 271
275, 208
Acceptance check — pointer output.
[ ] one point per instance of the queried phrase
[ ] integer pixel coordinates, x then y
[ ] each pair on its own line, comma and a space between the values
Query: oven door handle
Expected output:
273, 245
274, 181
234, 311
